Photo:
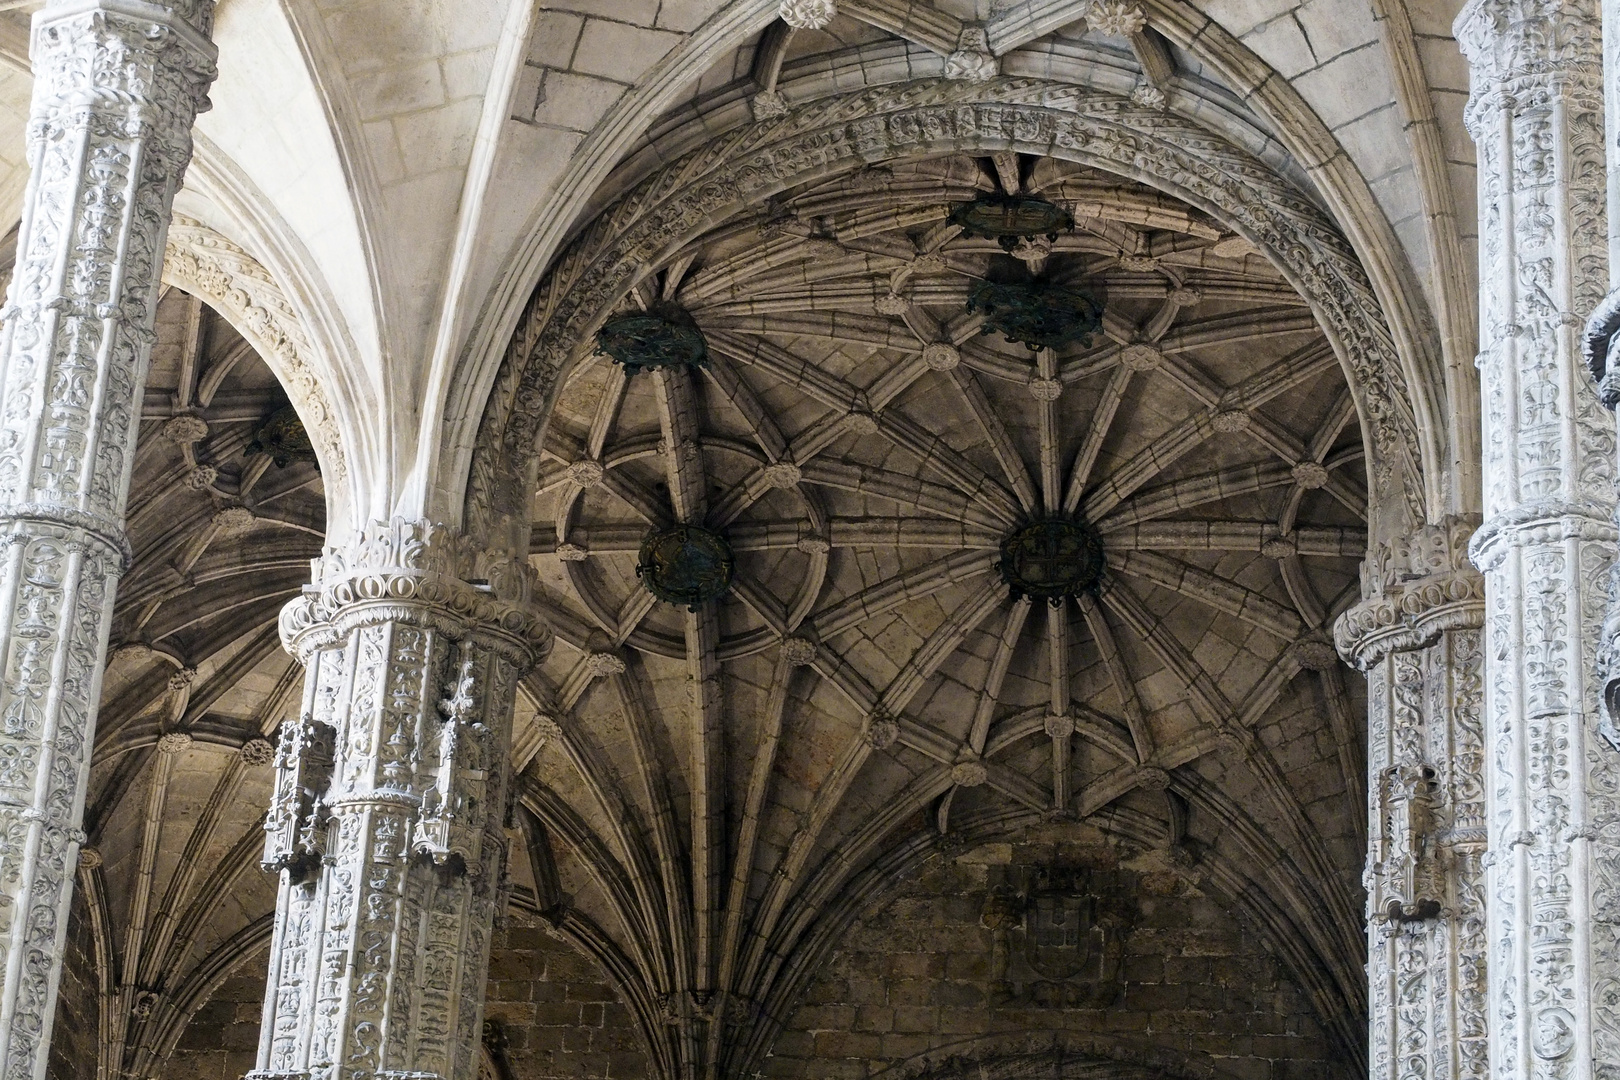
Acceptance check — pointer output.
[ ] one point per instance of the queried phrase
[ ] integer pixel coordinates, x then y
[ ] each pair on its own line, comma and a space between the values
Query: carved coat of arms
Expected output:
1059, 940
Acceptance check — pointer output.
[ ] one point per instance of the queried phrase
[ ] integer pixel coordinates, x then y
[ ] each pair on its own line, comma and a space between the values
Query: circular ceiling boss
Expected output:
686, 565
1037, 314
1051, 559
1008, 219
662, 336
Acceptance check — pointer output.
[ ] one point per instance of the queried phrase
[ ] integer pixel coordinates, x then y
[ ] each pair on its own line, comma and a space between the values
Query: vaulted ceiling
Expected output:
757, 770
713, 796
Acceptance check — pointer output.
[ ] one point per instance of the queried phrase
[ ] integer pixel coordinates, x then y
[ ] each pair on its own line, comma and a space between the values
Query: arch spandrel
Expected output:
743, 169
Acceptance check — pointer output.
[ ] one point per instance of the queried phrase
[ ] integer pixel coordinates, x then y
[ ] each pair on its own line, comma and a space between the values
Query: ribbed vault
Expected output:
715, 792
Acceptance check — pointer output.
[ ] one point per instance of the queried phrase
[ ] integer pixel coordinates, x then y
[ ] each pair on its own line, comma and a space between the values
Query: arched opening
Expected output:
869, 701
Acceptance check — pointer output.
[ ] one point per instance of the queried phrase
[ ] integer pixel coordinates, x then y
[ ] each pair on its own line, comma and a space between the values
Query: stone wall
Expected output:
73, 1033
1134, 959
561, 1018
222, 1040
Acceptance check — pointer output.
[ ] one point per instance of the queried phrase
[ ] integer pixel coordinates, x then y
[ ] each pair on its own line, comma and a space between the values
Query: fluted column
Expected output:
117, 85
1536, 116
391, 801
1417, 636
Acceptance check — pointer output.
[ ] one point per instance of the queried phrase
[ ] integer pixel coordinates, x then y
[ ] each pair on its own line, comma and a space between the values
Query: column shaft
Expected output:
1536, 115
1417, 636
390, 807
116, 89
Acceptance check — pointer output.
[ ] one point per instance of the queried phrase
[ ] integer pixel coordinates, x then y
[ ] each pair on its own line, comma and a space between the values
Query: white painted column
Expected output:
1553, 864
391, 801
1417, 636
117, 85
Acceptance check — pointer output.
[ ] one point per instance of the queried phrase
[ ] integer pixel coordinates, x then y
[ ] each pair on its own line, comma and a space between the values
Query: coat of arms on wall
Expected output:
1060, 937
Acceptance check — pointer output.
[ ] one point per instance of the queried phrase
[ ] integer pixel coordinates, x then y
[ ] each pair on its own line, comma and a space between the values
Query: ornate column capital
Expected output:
1414, 590
1505, 40
421, 574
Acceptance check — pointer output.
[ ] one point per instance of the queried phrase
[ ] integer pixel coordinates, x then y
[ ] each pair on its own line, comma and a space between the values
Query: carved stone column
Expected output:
1548, 540
1417, 636
391, 801
117, 86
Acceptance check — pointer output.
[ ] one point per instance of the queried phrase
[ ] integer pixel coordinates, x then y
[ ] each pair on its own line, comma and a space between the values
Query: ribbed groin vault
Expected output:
877, 806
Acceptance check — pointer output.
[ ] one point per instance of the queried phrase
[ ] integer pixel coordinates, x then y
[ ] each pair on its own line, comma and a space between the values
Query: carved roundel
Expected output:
1051, 559
686, 565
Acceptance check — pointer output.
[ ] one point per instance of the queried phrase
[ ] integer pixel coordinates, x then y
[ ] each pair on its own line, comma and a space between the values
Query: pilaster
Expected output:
117, 85
1417, 636
388, 820
1545, 549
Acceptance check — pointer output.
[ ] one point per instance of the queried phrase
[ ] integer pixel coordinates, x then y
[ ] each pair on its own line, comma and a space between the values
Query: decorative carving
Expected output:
783, 474
969, 774
185, 429
257, 752
603, 664
1060, 937
1051, 559
1148, 96
175, 742
941, 355
686, 565
1282, 547
882, 730
284, 437
1153, 778
1310, 475
808, 14
1044, 389
200, 478
662, 336
234, 521
893, 304
799, 651
862, 422
972, 60
1117, 18
768, 105
1141, 357
89, 858
586, 473
1059, 727
234, 283
1231, 421
1406, 877
294, 830
1316, 655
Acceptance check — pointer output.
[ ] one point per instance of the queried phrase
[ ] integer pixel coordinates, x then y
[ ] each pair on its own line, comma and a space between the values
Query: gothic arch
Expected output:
1280, 910
1448, 480
744, 168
